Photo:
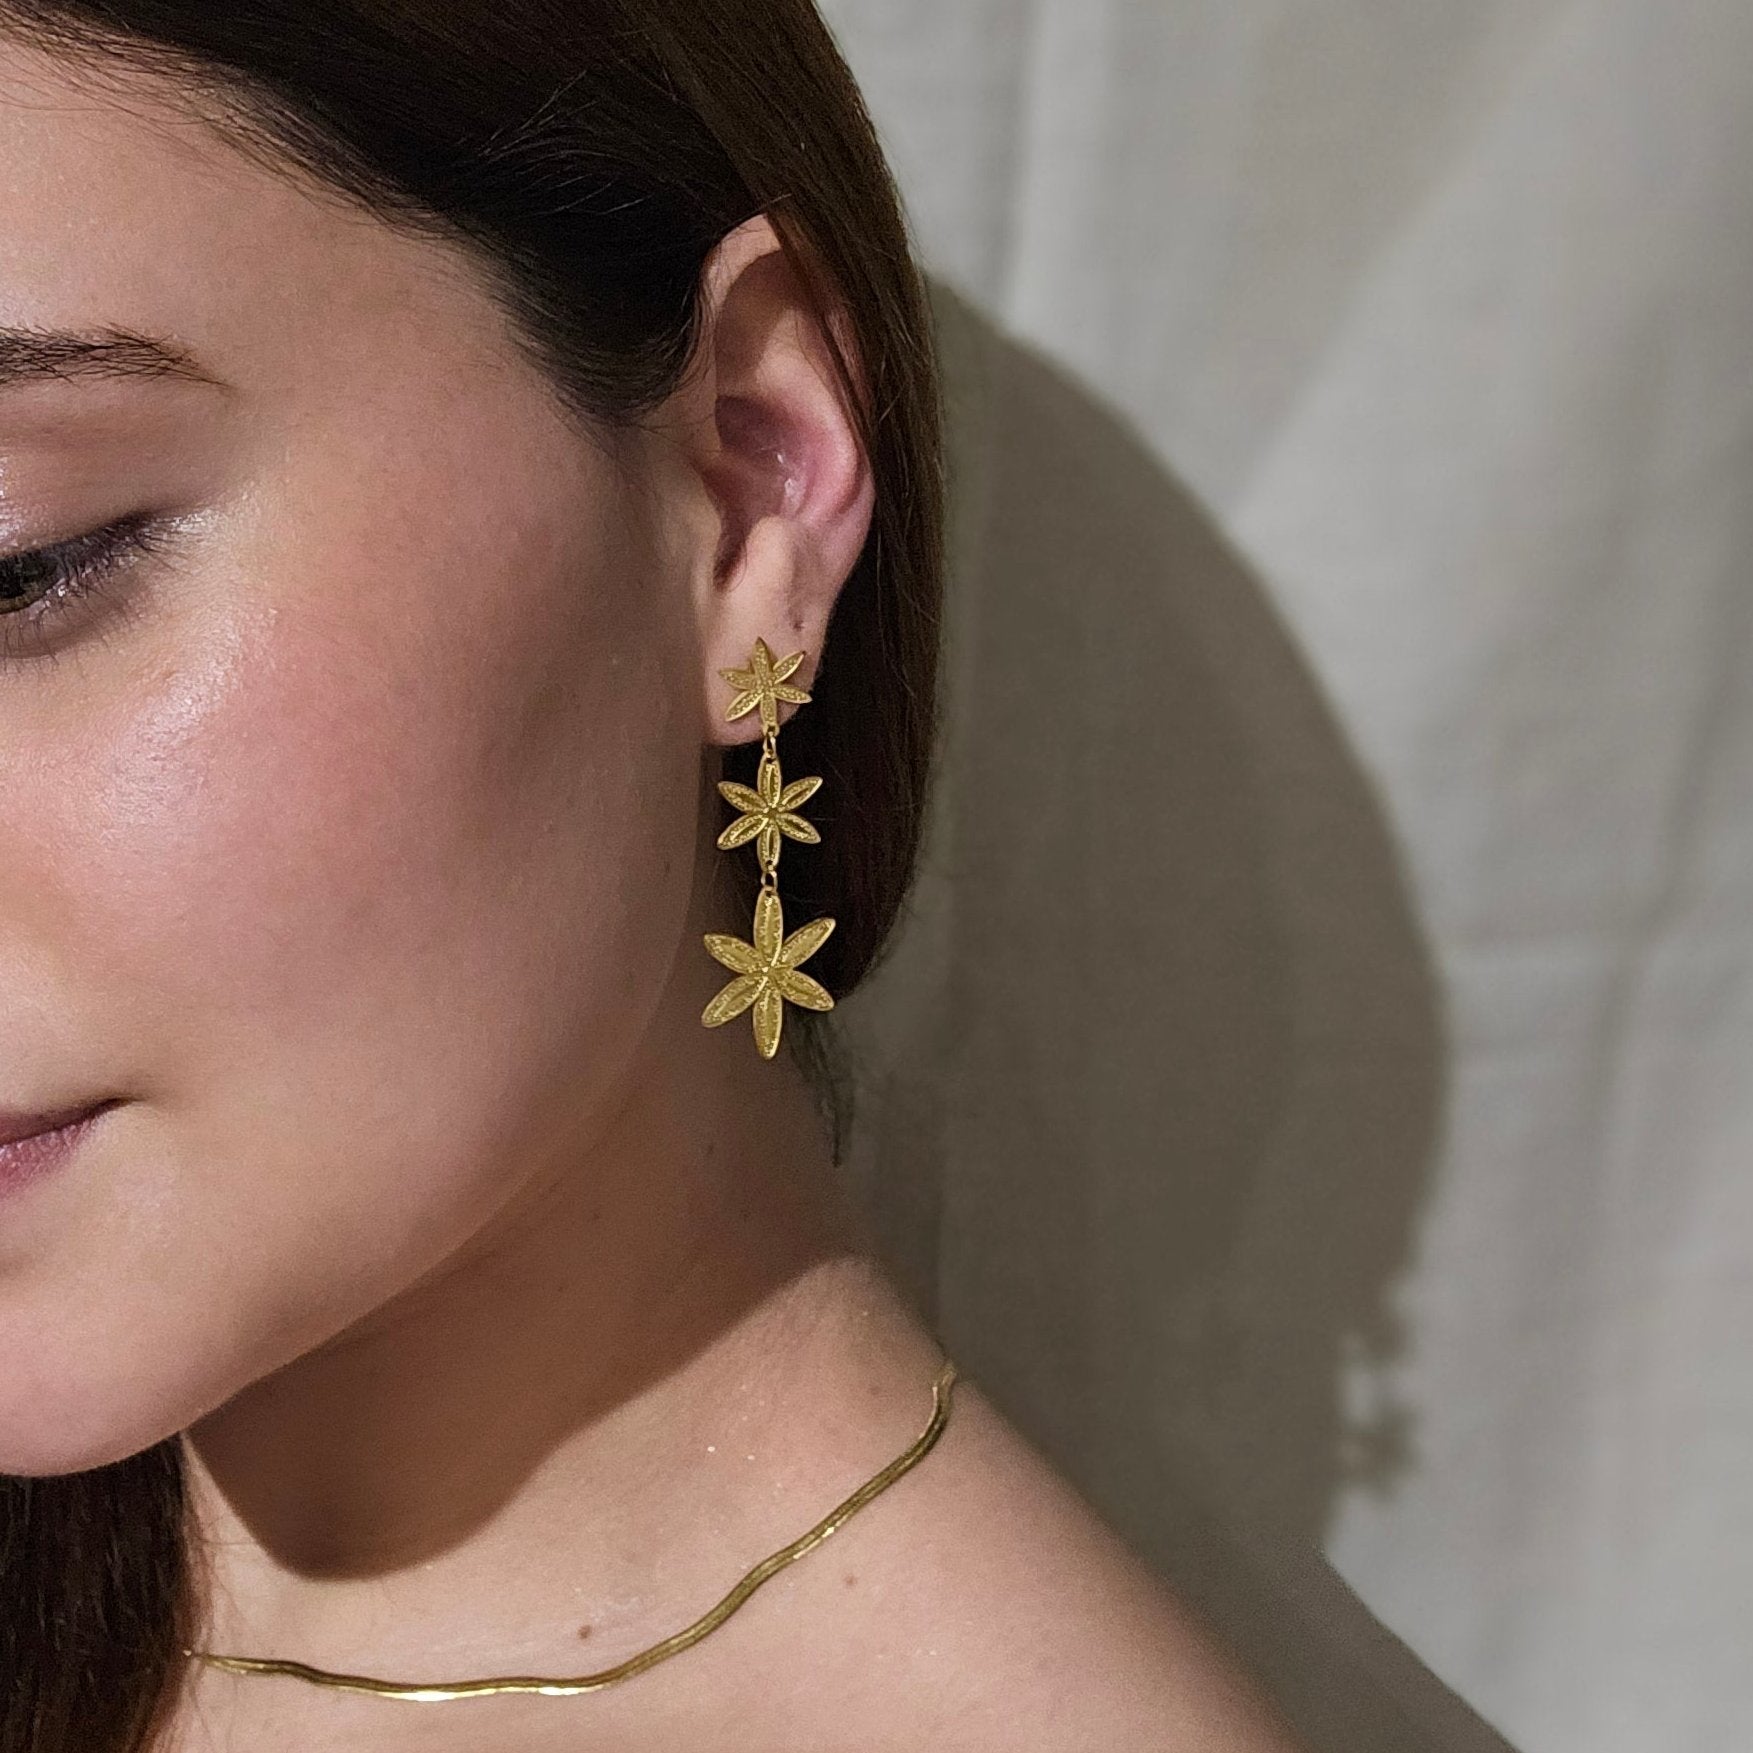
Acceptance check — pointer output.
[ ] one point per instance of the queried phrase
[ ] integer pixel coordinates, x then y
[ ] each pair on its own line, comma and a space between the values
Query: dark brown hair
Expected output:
588, 154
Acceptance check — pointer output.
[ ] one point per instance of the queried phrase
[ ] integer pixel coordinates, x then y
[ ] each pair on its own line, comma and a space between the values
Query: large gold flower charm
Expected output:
768, 811
767, 972
764, 683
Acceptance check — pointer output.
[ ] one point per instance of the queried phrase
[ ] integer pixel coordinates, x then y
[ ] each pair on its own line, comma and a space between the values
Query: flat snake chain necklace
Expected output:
440, 1692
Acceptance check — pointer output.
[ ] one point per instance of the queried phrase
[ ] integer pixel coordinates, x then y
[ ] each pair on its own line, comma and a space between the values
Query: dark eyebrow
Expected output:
42, 355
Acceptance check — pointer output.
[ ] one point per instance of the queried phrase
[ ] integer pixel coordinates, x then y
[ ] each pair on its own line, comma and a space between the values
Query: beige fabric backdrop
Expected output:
1314, 1081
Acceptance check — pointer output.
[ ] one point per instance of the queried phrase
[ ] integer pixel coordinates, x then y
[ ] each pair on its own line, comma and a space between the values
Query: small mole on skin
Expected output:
850, 1579
584, 1631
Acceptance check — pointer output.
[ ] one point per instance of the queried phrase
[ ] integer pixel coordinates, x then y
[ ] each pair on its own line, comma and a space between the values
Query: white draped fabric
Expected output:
1313, 1090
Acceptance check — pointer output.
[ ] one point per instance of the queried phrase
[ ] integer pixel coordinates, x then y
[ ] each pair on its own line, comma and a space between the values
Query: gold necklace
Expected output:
443, 1691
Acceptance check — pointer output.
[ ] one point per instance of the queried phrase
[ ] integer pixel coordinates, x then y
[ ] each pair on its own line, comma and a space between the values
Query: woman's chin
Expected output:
73, 1430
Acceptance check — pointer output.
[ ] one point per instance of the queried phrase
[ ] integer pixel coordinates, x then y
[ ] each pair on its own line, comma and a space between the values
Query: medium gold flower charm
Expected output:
767, 972
768, 811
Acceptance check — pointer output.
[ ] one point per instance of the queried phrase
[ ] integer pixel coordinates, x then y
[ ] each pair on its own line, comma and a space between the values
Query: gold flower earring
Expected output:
767, 970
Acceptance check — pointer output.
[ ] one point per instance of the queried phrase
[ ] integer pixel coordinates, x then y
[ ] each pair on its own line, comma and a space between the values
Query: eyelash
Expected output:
77, 571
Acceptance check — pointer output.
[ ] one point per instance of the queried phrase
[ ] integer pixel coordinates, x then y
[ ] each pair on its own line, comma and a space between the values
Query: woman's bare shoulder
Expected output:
986, 1606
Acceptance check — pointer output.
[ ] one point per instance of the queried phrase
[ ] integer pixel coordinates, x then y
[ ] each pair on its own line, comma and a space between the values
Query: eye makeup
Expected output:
44, 590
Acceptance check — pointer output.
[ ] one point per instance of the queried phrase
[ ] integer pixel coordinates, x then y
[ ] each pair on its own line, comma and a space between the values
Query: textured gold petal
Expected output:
743, 828
785, 691
797, 827
769, 926
787, 666
739, 678
734, 953
801, 989
804, 942
767, 782
742, 703
733, 1000
799, 791
769, 1017
742, 796
761, 662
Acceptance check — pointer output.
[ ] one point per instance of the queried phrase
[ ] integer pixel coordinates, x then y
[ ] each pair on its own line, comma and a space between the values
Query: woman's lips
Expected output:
31, 1145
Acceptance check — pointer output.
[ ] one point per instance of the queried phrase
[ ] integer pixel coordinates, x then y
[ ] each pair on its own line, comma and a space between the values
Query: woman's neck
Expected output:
665, 1356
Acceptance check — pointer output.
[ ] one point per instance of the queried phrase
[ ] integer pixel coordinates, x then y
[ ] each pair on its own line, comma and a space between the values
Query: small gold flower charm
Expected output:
764, 683
767, 969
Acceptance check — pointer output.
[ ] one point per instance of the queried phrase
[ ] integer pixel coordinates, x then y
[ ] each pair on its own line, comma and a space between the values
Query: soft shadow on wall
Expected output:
1149, 1085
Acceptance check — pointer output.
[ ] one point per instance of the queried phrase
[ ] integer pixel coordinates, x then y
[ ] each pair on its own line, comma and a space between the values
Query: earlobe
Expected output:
783, 459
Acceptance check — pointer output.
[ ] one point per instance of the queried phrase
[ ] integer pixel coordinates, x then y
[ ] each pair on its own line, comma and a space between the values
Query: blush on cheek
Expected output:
374, 771
373, 890
381, 884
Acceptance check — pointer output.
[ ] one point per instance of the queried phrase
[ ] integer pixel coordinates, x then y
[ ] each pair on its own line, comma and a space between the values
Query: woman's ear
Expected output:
777, 450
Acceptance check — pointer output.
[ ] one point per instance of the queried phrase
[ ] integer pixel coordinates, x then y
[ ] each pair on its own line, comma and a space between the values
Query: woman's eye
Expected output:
42, 585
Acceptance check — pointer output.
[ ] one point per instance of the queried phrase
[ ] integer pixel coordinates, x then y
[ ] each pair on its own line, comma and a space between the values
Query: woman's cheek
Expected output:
361, 899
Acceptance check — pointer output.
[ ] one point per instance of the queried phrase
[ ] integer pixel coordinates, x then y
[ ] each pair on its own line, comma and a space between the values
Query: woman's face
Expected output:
348, 830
